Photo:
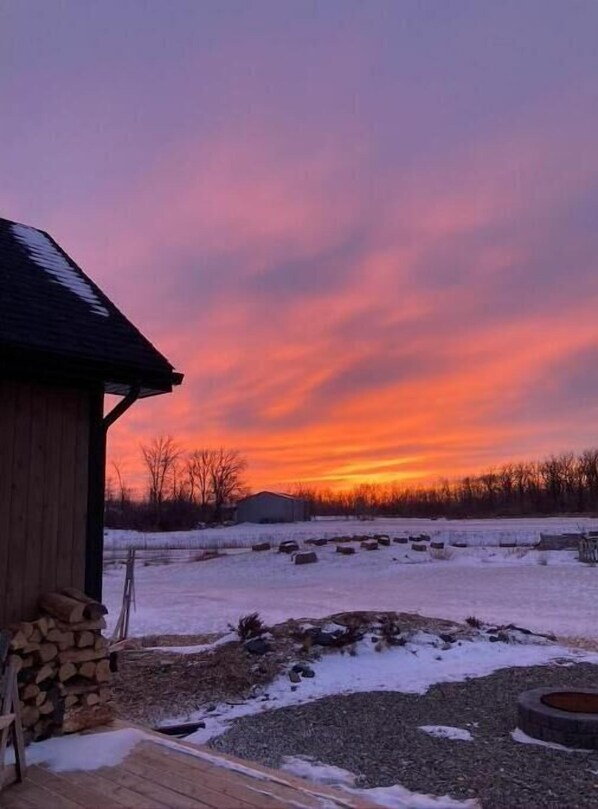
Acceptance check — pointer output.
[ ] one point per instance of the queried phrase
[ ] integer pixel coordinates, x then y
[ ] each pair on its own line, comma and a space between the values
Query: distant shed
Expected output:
270, 507
63, 346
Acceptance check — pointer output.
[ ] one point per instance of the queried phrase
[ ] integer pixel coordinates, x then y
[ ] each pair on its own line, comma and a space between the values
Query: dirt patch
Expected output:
176, 640
155, 685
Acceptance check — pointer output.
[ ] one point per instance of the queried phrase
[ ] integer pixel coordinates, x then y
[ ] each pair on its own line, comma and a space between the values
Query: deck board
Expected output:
160, 773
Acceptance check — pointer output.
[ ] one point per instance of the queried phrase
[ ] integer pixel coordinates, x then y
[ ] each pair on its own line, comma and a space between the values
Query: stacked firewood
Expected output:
63, 666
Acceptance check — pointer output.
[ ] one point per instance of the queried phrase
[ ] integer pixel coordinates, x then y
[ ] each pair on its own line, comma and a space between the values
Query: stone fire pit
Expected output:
562, 716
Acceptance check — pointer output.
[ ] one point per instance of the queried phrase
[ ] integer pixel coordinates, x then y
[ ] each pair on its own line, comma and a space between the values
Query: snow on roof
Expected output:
45, 254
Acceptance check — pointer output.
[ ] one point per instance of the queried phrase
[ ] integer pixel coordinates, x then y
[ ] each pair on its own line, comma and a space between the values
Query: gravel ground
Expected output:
375, 736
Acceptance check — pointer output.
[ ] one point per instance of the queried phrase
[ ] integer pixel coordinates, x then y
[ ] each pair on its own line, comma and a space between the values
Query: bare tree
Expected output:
160, 457
123, 492
226, 472
199, 476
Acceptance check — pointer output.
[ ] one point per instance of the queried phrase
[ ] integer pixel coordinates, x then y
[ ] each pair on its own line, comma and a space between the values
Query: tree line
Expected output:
186, 487
566, 483
182, 489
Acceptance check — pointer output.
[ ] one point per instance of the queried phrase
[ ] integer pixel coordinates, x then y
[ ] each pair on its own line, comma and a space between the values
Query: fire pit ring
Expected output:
560, 715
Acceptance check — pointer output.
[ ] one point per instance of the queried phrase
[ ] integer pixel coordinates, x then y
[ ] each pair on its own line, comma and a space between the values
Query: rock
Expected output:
257, 646
369, 545
447, 638
346, 550
459, 544
401, 540
318, 542
384, 541
437, 546
307, 672
504, 637
288, 546
294, 676
493, 638
326, 638
374, 639
261, 546
305, 558
418, 547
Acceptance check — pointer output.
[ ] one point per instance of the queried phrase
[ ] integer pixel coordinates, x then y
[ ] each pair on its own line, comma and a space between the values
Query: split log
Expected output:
93, 609
44, 624
29, 716
77, 686
103, 671
36, 636
40, 699
67, 642
81, 655
45, 673
30, 692
94, 626
70, 701
18, 641
62, 607
100, 642
47, 708
26, 627
82, 718
85, 638
66, 671
90, 699
60, 636
88, 669
47, 652
105, 694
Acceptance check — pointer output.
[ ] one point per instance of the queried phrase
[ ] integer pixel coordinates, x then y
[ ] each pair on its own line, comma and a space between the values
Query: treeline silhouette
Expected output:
187, 488
561, 484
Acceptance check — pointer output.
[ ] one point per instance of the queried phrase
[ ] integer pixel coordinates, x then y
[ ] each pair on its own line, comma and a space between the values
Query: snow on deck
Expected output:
506, 585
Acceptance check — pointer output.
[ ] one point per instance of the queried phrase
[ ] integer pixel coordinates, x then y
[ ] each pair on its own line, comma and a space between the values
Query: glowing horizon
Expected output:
364, 232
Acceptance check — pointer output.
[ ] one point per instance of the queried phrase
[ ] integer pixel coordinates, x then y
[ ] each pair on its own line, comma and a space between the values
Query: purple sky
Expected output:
366, 231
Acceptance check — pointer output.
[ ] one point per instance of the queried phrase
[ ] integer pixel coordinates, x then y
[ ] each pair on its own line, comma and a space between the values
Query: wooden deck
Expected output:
162, 774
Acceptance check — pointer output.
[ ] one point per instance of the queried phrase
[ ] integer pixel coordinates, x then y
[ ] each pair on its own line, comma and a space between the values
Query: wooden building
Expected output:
63, 346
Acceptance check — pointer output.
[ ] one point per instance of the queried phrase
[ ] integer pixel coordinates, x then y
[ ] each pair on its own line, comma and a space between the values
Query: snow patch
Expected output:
45, 254
394, 797
447, 732
83, 752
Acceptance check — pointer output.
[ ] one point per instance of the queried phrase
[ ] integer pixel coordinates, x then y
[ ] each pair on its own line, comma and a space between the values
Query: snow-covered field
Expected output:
524, 531
546, 591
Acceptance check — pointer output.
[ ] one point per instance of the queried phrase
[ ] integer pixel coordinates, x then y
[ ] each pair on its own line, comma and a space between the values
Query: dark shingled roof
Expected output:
53, 318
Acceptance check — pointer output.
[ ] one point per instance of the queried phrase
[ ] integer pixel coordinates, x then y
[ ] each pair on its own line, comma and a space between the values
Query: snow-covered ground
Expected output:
524, 531
545, 591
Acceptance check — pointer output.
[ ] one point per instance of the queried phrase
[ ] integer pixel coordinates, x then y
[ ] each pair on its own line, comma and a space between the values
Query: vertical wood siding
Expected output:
44, 442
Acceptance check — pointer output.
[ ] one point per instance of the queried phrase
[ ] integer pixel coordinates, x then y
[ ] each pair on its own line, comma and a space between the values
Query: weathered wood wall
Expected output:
44, 441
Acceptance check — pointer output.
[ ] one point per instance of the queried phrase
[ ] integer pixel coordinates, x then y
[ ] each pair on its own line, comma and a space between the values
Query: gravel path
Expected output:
375, 736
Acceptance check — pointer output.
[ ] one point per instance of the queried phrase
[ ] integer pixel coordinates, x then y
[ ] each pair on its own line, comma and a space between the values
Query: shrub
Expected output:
474, 622
249, 626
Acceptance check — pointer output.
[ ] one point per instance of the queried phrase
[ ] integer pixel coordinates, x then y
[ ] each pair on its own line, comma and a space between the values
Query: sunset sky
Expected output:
367, 232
